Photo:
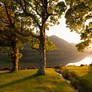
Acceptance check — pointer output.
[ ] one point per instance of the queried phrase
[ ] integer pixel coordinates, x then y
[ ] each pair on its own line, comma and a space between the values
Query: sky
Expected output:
63, 32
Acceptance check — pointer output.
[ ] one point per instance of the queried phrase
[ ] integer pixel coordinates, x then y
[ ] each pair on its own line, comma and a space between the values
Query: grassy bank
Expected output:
81, 77
28, 81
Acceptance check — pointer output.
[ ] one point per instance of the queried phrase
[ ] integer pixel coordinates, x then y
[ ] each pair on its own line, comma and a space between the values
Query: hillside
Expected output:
64, 53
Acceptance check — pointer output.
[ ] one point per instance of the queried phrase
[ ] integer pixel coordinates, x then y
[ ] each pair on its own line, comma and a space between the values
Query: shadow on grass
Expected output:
4, 73
18, 81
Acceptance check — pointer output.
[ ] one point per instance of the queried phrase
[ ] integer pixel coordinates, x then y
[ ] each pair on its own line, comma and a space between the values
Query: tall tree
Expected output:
15, 31
12, 31
79, 19
43, 14
8, 38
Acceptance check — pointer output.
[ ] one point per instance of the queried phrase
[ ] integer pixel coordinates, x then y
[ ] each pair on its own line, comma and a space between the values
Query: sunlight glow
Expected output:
85, 61
63, 32
90, 46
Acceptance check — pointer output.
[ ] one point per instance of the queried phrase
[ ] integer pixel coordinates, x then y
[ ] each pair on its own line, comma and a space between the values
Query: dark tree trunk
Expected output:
44, 16
15, 57
42, 67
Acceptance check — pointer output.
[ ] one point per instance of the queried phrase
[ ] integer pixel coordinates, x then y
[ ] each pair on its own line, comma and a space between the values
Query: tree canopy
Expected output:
79, 19
41, 15
27, 18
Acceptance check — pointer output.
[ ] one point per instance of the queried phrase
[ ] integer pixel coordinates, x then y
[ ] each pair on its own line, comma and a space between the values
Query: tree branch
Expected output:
27, 35
12, 25
29, 14
8, 15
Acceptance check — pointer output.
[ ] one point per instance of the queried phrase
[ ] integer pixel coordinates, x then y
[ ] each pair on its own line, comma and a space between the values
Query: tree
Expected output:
79, 19
43, 14
12, 32
9, 38
15, 31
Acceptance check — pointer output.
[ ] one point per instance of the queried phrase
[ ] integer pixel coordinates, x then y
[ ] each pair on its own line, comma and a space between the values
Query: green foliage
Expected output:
86, 36
78, 14
27, 16
33, 10
50, 45
12, 27
85, 44
75, 16
34, 43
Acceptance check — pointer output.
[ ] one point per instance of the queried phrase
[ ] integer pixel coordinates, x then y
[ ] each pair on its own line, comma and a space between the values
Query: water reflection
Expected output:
85, 61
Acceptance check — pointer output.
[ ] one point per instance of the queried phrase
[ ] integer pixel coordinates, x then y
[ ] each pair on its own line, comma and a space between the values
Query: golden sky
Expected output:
63, 32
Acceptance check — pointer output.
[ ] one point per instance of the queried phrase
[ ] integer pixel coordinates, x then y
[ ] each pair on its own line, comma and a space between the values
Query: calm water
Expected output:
86, 61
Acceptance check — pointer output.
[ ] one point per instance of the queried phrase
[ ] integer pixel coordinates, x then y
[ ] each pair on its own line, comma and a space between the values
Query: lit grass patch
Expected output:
29, 81
81, 76
79, 71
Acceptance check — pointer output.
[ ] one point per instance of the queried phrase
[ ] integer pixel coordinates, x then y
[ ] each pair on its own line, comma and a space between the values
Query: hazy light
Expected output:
85, 61
63, 32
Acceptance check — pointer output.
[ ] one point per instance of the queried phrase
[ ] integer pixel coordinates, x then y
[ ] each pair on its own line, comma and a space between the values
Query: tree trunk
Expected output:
42, 67
15, 58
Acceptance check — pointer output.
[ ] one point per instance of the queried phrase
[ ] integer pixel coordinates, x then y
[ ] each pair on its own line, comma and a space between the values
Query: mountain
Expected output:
64, 53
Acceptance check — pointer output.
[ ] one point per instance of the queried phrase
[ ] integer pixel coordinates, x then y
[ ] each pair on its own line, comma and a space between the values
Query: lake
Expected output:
86, 61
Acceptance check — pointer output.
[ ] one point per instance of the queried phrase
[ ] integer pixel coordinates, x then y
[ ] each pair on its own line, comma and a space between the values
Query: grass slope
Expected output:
28, 81
81, 77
